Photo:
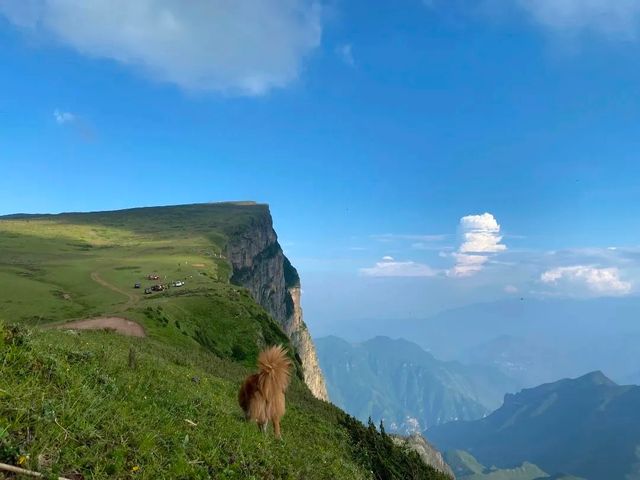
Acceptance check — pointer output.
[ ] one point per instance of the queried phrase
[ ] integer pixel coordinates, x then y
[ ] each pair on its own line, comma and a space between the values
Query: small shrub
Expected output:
14, 335
8, 451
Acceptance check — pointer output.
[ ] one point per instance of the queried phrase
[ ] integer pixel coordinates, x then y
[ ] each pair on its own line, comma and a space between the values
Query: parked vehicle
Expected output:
137, 285
147, 291
153, 276
178, 283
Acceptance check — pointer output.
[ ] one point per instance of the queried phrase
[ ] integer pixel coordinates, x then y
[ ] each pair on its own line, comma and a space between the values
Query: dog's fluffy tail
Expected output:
275, 366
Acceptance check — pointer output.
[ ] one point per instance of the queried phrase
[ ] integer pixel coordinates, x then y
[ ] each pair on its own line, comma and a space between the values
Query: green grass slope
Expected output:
73, 404
101, 405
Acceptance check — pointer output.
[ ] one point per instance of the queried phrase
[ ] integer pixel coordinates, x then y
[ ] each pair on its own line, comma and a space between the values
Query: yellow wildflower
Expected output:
135, 468
22, 459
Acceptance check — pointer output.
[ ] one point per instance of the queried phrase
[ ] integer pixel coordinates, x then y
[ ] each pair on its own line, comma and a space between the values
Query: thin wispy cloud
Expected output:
62, 117
480, 237
390, 237
76, 123
345, 52
390, 267
611, 19
618, 18
240, 47
430, 246
416, 241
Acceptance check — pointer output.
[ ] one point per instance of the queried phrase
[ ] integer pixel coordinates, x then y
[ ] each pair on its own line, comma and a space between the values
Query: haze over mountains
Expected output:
398, 382
586, 427
531, 340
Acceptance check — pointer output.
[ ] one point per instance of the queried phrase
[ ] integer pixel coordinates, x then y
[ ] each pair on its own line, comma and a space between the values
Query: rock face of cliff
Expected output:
428, 453
260, 265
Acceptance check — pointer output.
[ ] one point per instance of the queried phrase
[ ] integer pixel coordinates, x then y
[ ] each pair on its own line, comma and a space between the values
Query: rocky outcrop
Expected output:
428, 453
297, 331
259, 264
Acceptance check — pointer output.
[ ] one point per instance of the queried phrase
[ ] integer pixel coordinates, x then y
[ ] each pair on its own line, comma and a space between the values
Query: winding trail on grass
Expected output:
117, 324
132, 298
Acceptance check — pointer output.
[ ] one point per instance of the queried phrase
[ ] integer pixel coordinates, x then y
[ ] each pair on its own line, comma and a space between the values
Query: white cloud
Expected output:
481, 234
467, 265
598, 281
236, 46
619, 18
510, 289
480, 237
345, 52
430, 246
389, 267
63, 117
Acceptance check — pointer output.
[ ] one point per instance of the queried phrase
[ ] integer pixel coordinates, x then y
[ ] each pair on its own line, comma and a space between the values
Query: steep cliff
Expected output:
428, 453
260, 265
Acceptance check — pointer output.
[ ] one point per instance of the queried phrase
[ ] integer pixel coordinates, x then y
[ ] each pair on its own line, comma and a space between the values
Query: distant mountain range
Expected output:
588, 426
400, 383
534, 340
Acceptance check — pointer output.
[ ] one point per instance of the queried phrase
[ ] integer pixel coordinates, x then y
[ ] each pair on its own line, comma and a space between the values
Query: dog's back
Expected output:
261, 396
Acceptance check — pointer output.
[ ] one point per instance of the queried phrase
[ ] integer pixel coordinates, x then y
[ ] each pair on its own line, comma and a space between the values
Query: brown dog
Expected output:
262, 394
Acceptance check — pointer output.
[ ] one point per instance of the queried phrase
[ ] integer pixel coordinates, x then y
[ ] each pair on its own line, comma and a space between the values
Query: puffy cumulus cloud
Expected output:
63, 117
480, 237
511, 289
389, 267
481, 234
611, 17
467, 265
236, 46
597, 281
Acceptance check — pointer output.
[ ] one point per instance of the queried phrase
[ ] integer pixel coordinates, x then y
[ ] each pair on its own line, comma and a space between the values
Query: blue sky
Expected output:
380, 134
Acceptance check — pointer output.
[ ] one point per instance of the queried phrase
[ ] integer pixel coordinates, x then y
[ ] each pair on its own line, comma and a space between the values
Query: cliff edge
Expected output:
259, 264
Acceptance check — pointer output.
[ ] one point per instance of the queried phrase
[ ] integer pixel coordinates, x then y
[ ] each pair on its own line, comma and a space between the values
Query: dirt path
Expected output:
120, 325
132, 298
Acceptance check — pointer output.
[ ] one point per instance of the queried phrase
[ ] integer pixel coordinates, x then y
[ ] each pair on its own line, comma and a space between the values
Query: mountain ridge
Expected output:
587, 426
395, 380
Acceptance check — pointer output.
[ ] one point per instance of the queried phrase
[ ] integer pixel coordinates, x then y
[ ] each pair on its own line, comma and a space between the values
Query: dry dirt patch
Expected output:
117, 324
